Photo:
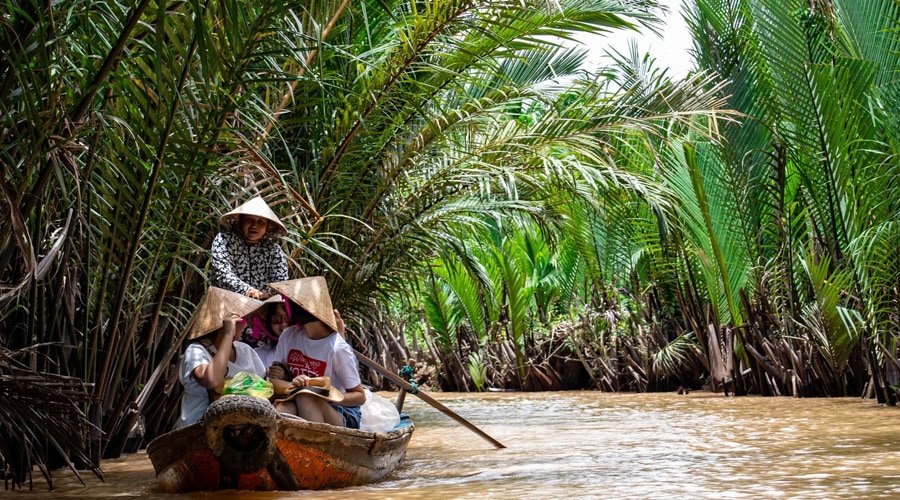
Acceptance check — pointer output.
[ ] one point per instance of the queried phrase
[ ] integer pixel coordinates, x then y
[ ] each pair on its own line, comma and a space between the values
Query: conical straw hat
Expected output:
261, 304
216, 306
311, 294
320, 387
258, 207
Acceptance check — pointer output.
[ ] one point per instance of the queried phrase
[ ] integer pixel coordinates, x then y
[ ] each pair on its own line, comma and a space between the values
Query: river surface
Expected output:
603, 445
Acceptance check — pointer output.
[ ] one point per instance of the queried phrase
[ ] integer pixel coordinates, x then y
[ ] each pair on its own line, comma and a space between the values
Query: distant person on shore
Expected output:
269, 325
215, 351
321, 382
246, 255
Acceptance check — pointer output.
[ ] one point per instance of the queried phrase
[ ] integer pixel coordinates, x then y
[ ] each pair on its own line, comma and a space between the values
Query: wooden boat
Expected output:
242, 443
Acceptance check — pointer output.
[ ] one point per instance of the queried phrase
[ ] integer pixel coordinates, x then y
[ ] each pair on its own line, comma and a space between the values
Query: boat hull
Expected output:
242, 444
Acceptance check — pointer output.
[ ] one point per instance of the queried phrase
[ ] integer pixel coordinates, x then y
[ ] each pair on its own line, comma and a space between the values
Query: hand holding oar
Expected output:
425, 397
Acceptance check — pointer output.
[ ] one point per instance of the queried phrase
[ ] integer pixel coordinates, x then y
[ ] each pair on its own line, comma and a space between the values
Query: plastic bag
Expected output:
248, 384
378, 414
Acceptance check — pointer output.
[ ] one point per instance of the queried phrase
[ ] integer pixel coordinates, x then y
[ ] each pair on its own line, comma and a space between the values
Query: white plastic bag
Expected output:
378, 414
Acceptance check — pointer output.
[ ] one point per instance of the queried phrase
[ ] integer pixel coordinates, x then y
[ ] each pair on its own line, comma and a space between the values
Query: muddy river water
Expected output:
602, 445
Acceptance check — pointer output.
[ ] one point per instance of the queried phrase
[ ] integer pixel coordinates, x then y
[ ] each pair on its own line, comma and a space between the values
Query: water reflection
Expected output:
599, 445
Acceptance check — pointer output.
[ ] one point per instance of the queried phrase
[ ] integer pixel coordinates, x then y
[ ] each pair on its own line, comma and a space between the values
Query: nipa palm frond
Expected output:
41, 420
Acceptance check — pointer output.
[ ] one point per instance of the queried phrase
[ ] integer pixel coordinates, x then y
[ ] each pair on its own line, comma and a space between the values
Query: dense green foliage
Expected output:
477, 201
775, 239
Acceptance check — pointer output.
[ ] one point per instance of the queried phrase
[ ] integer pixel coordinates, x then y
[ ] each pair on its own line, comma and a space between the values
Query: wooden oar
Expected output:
425, 397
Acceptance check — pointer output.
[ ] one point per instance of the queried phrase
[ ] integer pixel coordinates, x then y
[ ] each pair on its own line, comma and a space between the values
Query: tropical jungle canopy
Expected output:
481, 200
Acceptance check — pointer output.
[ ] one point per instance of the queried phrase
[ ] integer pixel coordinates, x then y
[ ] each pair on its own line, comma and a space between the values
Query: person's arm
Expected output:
277, 267
224, 275
195, 355
212, 376
277, 371
355, 396
346, 368
278, 377
275, 262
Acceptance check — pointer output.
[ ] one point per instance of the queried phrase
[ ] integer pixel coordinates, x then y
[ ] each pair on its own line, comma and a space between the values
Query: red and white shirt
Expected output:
330, 357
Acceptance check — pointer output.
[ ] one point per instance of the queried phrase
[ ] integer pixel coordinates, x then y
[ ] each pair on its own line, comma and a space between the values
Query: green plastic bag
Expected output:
248, 384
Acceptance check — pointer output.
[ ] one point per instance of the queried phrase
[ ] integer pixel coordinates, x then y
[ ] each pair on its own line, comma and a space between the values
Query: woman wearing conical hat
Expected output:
322, 383
215, 351
246, 256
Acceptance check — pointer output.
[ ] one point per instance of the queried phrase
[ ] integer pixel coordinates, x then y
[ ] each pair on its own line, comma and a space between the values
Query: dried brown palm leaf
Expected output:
41, 420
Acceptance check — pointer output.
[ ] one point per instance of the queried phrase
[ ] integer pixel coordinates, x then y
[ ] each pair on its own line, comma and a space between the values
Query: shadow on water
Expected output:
601, 445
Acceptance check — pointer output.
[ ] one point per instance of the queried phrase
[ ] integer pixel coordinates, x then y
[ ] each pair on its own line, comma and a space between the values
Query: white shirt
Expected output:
330, 357
266, 354
196, 398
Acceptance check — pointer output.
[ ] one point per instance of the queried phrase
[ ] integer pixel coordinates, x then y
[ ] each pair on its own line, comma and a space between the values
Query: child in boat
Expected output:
269, 324
322, 382
246, 257
215, 351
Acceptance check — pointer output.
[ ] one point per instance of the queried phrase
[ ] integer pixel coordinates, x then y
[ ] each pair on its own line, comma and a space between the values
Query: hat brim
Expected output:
217, 305
331, 395
259, 208
274, 299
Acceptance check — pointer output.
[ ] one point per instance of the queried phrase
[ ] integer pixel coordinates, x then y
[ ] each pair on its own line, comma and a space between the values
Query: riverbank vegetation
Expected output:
480, 202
